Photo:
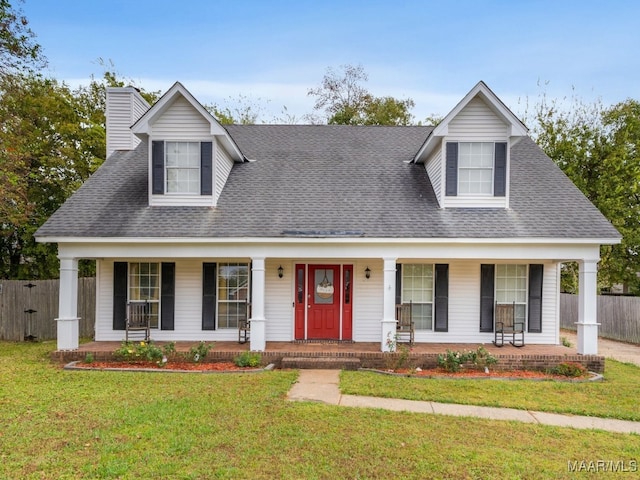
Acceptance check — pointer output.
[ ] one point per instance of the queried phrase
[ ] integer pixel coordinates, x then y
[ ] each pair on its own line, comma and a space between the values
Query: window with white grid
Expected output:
233, 293
475, 168
144, 285
511, 288
417, 287
183, 167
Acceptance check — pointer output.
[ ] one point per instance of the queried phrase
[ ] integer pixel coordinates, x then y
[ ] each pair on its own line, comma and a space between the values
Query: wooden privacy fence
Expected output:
619, 316
28, 312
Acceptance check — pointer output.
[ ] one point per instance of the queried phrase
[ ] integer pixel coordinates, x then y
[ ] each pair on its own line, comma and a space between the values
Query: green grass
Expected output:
615, 397
57, 424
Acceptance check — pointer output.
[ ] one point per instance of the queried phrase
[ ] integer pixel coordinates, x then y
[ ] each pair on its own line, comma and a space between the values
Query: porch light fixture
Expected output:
367, 273
280, 271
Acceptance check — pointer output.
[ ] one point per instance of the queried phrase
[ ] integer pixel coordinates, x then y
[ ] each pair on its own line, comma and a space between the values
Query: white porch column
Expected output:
68, 321
389, 306
258, 338
588, 308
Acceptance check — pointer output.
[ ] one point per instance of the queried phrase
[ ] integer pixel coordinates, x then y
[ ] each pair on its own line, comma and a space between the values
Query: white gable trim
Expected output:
515, 127
143, 126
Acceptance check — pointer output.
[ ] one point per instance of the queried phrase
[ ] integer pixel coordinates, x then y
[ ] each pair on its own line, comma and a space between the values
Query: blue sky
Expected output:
273, 51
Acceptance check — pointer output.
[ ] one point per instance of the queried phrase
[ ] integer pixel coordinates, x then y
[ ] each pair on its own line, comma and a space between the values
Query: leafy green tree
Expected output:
346, 102
598, 149
18, 48
52, 139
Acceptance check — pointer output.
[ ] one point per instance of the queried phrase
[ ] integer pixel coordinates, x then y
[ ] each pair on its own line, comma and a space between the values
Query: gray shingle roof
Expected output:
321, 180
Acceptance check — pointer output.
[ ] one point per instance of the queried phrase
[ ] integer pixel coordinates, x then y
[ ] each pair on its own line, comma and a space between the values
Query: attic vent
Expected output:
323, 233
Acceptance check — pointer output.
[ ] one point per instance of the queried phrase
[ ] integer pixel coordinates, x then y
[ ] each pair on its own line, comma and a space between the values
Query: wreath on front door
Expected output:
325, 288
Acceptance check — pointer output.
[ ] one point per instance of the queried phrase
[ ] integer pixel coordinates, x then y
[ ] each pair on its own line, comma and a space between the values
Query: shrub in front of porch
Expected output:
140, 352
452, 361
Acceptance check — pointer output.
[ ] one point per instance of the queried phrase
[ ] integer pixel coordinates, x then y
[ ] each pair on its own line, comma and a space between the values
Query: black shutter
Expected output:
167, 296
398, 284
209, 274
451, 171
157, 167
487, 281
206, 168
120, 272
500, 171
536, 272
441, 294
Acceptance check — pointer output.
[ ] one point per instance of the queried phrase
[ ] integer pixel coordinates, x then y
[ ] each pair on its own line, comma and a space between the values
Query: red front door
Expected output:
323, 302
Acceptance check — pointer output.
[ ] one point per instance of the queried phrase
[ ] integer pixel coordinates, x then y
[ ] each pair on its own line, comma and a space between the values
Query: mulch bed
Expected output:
470, 373
171, 365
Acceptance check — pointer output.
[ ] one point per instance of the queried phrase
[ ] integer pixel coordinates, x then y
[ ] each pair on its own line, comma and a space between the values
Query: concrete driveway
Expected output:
621, 351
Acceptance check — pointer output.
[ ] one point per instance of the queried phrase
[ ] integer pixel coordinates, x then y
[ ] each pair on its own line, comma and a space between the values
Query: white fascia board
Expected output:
142, 127
337, 240
337, 251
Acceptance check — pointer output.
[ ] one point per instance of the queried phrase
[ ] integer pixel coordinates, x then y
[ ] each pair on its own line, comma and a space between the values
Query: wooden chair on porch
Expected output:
138, 319
506, 324
405, 328
244, 325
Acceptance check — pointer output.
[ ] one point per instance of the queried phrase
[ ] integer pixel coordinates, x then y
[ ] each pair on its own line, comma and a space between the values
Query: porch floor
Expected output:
369, 354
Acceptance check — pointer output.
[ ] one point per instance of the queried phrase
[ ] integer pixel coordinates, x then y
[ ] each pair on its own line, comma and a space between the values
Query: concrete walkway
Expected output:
323, 386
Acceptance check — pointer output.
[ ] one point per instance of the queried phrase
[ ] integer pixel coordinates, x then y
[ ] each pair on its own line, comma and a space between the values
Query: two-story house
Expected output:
324, 229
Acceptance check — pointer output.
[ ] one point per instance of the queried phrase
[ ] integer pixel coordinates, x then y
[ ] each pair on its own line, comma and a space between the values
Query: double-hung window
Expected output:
144, 285
182, 163
417, 288
511, 288
475, 168
233, 293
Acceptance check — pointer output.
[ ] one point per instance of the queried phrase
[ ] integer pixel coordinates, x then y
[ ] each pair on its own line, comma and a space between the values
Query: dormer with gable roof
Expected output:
190, 153
467, 155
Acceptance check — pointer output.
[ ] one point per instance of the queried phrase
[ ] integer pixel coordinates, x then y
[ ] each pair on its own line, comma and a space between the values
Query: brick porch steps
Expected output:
325, 363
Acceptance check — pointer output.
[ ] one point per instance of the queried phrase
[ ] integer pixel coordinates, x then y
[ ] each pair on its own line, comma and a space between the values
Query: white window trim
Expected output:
433, 293
475, 200
167, 168
159, 301
526, 296
219, 301
493, 169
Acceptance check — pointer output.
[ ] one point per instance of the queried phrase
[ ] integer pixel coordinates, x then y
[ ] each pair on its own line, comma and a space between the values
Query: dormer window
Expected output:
475, 168
183, 167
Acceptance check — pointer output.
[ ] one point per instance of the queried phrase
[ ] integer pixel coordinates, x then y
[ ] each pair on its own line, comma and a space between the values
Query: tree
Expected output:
242, 110
598, 149
346, 102
18, 48
52, 138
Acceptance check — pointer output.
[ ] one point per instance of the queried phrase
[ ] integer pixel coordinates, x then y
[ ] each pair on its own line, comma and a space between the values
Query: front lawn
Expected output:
57, 424
615, 397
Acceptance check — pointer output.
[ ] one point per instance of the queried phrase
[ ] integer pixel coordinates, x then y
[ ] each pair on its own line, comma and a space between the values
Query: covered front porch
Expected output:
320, 354
365, 292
